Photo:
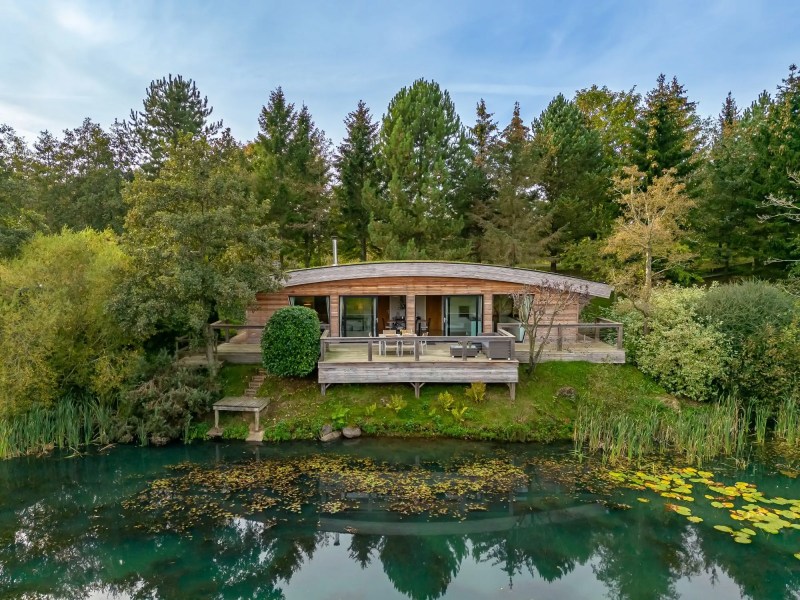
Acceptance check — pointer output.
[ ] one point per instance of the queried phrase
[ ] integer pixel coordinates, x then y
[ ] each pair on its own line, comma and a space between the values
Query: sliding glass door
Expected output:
358, 316
463, 315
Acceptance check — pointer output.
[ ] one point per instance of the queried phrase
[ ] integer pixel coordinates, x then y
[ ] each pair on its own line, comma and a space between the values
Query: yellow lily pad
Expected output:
695, 519
645, 500
724, 528
742, 539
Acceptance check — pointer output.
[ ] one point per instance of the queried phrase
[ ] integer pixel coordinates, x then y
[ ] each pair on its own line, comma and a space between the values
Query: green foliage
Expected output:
768, 366
514, 229
476, 392
358, 182
743, 311
612, 115
667, 132
568, 165
200, 245
424, 158
339, 416
626, 432
290, 343
238, 430
165, 404
687, 355
290, 160
397, 403
18, 220
370, 409
57, 333
76, 182
197, 432
446, 400
173, 108
459, 412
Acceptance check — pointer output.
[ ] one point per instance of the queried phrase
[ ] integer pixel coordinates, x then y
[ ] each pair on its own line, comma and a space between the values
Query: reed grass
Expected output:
787, 420
696, 434
74, 422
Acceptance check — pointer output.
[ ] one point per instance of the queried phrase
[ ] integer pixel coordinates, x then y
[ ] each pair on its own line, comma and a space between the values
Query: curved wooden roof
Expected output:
440, 269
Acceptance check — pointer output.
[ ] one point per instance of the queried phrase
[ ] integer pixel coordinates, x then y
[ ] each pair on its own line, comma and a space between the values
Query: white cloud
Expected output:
74, 19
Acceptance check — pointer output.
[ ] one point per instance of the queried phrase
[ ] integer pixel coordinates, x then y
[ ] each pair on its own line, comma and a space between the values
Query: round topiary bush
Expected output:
290, 344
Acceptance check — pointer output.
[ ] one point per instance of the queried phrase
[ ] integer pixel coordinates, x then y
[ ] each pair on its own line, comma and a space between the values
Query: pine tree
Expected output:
292, 171
728, 117
173, 106
358, 181
572, 176
667, 132
484, 137
424, 157
513, 232
18, 222
77, 183
309, 209
479, 186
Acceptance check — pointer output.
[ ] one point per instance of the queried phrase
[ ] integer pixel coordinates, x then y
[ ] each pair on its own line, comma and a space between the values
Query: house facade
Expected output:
438, 298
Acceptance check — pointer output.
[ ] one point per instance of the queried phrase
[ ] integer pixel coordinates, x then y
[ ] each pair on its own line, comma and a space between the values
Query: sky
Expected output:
63, 60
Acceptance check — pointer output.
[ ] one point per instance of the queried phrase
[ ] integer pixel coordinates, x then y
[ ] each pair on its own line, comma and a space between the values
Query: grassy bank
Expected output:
544, 410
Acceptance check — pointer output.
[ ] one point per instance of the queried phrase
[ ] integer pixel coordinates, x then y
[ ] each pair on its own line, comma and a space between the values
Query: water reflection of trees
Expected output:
61, 535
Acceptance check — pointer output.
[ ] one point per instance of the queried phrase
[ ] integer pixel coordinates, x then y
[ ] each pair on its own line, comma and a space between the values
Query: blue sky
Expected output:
62, 61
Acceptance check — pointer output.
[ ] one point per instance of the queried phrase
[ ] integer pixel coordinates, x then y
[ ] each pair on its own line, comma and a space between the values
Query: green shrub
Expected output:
686, 354
476, 392
163, 406
768, 367
290, 344
236, 431
759, 320
742, 311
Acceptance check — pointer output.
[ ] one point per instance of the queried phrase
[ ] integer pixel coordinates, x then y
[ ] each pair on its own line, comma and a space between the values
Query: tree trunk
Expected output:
208, 335
364, 250
648, 287
554, 266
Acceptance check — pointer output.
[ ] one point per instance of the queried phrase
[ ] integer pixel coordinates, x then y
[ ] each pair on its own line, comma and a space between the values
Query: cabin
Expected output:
420, 321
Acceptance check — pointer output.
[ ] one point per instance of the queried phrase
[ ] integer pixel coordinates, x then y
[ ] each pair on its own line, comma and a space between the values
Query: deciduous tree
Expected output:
200, 244
648, 237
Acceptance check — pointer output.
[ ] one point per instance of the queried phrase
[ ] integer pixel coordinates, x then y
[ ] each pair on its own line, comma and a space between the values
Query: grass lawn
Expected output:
297, 409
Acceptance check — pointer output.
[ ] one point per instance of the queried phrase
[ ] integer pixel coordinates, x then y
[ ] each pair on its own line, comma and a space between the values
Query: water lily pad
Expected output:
695, 519
644, 500
742, 539
724, 528
747, 531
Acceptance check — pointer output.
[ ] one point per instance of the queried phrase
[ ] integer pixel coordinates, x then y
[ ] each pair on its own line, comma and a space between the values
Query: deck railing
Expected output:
502, 338
602, 330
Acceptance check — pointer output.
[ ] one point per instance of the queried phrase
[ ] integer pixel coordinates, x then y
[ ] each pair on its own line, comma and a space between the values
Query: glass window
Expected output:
321, 304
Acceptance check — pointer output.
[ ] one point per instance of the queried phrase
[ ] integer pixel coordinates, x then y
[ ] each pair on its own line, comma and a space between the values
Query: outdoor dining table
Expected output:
398, 340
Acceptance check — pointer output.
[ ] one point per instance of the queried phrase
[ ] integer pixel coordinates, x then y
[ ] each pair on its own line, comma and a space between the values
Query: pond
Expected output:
386, 519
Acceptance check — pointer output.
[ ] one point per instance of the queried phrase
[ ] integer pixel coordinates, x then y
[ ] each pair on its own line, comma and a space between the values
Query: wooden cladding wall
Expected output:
266, 304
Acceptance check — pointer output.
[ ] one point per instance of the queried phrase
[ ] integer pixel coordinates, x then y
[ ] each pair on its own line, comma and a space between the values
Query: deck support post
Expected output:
216, 419
369, 350
323, 387
512, 388
417, 386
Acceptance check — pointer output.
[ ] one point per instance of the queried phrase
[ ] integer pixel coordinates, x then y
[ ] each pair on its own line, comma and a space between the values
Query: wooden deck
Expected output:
240, 404
590, 351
